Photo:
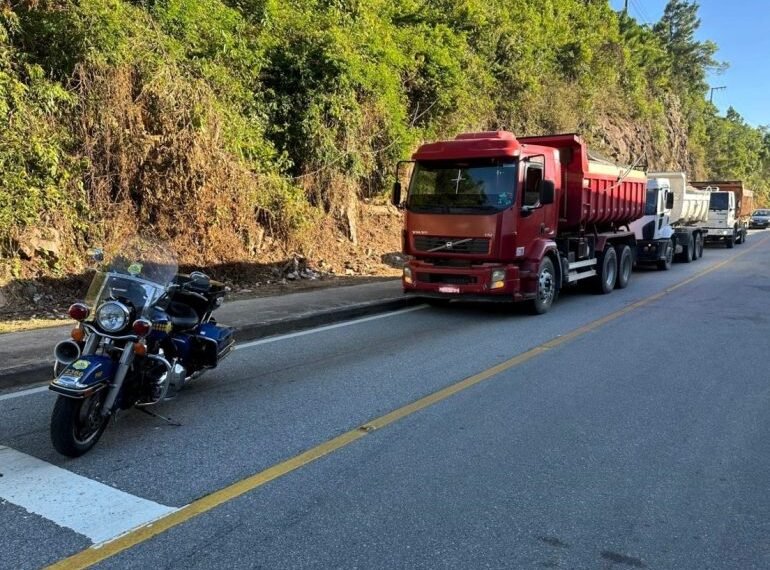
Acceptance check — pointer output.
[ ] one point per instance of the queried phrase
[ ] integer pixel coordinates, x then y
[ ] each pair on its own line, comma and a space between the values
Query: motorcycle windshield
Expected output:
135, 274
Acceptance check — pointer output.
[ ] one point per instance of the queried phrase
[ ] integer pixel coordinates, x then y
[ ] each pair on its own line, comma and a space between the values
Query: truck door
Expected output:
531, 220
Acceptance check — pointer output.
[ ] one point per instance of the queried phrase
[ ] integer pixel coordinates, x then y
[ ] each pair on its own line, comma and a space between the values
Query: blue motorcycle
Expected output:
143, 332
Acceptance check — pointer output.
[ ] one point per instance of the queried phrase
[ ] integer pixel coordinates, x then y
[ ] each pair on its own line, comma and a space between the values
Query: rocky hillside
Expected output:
252, 132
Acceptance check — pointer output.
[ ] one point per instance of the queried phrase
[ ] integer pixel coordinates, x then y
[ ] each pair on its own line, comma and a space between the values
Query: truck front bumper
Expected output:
477, 282
717, 234
648, 251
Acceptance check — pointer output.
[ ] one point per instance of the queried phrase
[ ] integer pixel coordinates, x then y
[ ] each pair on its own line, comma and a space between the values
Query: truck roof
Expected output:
485, 144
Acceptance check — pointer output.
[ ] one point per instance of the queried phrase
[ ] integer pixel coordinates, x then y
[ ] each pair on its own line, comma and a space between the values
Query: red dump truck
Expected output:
492, 217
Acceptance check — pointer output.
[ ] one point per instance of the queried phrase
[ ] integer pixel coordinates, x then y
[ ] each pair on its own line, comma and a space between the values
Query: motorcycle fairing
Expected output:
84, 376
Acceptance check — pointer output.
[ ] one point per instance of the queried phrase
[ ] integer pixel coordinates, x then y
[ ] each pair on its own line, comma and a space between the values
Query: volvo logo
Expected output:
450, 244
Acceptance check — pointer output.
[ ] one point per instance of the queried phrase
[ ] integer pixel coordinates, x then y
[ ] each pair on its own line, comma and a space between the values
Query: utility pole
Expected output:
711, 96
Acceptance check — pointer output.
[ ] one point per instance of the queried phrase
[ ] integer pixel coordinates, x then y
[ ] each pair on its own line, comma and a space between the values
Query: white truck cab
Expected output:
722, 222
671, 226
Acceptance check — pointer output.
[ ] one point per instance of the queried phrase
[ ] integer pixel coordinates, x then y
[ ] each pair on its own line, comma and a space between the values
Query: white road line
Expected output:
88, 507
329, 327
21, 393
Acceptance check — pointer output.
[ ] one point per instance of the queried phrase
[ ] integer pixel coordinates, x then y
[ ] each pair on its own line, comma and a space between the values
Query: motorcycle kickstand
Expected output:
169, 421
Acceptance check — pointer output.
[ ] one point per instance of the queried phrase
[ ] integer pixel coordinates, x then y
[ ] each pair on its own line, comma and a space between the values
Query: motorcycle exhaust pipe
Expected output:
67, 352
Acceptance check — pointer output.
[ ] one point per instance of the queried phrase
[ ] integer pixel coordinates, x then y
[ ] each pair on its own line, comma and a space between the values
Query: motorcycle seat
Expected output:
183, 317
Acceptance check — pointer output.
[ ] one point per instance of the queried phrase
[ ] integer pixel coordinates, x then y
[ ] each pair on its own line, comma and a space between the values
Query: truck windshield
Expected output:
651, 208
462, 188
719, 201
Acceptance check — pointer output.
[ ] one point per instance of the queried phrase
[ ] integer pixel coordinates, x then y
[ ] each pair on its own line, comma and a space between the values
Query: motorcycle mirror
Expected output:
96, 254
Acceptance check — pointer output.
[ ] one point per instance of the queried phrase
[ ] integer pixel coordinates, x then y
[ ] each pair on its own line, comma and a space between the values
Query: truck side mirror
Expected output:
669, 200
397, 194
547, 191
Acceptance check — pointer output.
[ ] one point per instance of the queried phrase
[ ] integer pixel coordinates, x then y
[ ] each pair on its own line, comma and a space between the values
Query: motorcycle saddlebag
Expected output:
215, 343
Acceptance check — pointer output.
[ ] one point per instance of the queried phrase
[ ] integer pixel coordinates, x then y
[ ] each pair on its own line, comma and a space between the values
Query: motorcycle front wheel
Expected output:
76, 425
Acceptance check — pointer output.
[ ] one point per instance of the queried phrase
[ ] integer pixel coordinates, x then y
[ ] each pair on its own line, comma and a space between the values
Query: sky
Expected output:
741, 29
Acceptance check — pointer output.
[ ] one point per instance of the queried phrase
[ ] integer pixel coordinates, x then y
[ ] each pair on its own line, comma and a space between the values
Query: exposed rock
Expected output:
40, 241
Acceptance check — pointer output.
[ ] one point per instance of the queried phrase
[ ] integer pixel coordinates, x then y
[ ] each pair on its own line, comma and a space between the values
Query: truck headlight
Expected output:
112, 316
408, 275
497, 281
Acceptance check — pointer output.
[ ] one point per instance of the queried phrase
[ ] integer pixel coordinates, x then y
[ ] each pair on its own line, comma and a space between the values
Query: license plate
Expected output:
448, 289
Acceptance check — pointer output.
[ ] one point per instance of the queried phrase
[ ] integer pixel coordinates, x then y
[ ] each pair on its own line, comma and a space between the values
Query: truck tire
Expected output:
608, 271
730, 242
665, 264
699, 246
546, 288
688, 250
625, 265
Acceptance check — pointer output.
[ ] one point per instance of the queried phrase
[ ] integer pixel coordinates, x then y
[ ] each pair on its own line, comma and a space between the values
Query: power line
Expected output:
637, 12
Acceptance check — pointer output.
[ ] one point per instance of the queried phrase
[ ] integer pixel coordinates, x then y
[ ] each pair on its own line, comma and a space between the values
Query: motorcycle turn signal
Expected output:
78, 334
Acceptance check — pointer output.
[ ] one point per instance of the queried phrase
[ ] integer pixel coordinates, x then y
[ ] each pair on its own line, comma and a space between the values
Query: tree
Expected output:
690, 58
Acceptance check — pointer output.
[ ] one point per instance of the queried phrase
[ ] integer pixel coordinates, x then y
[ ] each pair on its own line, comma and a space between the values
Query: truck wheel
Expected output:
699, 246
625, 264
608, 271
665, 263
730, 242
688, 251
546, 288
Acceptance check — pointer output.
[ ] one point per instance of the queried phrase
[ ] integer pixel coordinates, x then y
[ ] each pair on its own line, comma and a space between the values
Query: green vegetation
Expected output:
216, 122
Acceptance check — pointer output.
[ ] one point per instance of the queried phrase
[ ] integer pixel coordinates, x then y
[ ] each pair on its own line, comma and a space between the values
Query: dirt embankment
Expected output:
329, 258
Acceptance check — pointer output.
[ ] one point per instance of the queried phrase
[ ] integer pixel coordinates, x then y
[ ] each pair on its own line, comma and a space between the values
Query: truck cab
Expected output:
653, 230
723, 224
729, 210
472, 223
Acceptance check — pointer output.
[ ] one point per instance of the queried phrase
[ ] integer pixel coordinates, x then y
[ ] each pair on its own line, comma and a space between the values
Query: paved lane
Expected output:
545, 464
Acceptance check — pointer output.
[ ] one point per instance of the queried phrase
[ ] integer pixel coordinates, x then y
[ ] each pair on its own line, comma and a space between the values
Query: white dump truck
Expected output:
673, 221
729, 211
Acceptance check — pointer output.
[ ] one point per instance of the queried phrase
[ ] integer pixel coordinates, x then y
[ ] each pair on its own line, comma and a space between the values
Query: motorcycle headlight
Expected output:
112, 316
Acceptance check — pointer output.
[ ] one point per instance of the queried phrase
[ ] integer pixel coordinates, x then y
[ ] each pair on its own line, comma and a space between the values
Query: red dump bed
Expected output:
595, 194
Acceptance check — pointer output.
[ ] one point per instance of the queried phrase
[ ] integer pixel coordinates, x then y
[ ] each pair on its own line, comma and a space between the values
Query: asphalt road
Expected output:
639, 441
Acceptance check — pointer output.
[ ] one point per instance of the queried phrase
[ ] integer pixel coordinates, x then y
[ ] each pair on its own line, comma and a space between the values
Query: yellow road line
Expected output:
100, 552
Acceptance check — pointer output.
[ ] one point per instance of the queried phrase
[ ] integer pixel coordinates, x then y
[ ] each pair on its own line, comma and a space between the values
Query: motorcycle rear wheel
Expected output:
76, 425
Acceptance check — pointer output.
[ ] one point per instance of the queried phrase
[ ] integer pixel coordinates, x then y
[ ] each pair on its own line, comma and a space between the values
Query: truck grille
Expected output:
439, 244
448, 278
